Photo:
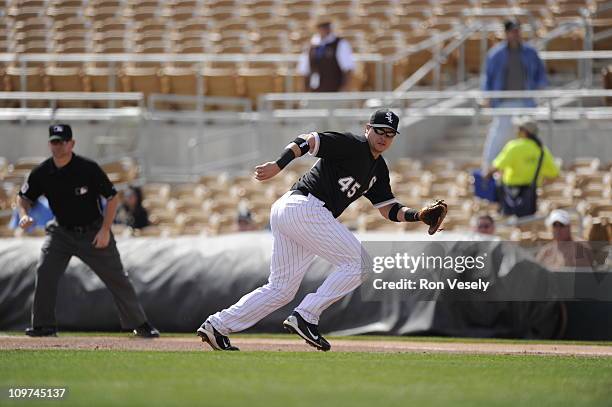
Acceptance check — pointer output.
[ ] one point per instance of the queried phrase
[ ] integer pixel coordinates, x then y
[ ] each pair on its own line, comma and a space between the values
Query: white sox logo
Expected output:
389, 117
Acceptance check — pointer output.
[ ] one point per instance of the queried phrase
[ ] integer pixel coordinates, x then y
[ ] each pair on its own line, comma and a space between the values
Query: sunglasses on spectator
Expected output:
383, 132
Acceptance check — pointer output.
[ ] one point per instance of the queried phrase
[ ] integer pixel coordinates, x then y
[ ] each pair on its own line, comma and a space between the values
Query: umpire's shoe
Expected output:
146, 331
309, 332
214, 338
40, 331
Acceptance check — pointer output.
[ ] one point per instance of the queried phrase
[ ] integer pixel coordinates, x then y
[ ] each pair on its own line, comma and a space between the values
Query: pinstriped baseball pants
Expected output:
301, 228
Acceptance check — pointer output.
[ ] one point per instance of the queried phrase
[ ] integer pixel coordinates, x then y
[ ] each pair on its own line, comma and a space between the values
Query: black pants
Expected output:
60, 245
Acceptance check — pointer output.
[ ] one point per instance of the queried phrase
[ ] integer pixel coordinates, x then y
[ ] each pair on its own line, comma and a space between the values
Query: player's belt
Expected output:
306, 193
95, 225
299, 192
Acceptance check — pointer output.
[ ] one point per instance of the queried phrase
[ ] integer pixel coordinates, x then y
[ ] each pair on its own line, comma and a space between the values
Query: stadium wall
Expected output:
182, 280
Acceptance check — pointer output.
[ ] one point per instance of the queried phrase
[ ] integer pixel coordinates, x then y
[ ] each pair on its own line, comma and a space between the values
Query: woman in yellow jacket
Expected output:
519, 161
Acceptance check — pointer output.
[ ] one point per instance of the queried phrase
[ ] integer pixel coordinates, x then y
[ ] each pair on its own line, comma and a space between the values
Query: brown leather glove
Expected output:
433, 215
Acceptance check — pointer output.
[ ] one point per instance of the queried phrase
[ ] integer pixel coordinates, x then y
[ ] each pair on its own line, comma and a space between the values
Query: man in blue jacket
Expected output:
510, 65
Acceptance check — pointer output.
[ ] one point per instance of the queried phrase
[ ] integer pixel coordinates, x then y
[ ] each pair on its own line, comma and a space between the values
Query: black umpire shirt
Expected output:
346, 170
73, 191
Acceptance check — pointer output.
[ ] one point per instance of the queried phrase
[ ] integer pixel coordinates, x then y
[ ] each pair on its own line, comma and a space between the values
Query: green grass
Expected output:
97, 378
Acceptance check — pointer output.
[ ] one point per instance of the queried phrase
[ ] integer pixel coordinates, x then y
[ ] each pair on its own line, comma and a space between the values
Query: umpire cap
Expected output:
60, 132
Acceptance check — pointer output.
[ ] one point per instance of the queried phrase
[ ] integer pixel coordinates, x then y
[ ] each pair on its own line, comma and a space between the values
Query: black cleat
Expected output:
211, 336
309, 332
146, 331
40, 331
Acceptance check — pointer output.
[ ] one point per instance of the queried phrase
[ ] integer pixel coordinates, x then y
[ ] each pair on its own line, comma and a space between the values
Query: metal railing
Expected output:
467, 105
53, 113
265, 101
440, 56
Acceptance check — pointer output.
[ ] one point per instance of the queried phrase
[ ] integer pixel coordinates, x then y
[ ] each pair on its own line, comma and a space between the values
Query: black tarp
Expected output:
182, 280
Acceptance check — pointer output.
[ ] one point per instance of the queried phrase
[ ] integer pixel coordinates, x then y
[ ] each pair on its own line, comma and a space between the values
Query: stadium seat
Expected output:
75, 34
260, 81
183, 3
34, 83
139, 79
182, 81
585, 165
101, 79
192, 47
111, 45
23, 38
222, 82
63, 13
62, 79
570, 42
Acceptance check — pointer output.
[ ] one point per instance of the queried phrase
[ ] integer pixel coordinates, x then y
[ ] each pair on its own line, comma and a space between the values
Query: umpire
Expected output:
73, 185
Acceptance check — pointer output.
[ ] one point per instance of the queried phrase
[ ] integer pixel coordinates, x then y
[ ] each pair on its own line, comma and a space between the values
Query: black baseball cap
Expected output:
510, 25
384, 118
60, 132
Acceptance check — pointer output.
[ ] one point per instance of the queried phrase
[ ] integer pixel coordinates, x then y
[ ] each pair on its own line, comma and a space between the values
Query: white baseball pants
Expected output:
301, 228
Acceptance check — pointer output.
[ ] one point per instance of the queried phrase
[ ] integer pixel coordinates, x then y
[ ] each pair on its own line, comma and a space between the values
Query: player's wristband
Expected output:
411, 215
302, 144
394, 211
285, 158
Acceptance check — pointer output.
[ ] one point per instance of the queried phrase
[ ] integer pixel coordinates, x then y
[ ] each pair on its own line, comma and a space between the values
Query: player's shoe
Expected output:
211, 336
309, 332
146, 330
41, 331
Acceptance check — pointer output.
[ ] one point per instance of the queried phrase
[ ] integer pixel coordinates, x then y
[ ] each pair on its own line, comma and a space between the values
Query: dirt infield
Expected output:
267, 344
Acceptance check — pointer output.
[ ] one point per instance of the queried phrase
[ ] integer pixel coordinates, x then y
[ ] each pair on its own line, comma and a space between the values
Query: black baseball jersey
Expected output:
346, 170
73, 191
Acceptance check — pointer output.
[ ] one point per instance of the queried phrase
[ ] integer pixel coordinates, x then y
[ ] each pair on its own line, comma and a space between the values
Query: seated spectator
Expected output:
131, 212
40, 212
244, 220
483, 224
523, 162
563, 251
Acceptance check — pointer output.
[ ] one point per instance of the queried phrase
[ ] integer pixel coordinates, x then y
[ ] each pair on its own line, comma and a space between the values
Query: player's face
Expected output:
380, 139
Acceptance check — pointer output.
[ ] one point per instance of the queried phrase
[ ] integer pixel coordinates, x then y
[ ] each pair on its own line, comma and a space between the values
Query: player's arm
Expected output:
29, 193
24, 205
106, 189
297, 148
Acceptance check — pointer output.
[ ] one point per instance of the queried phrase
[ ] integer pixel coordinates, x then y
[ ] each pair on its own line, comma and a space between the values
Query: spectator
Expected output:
40, 212
328, 64
523, 162
131, 212
483, 224
513, 66
563, 251
244, 220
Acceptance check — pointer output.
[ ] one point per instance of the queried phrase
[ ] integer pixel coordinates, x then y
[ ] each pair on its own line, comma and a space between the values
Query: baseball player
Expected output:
304, 224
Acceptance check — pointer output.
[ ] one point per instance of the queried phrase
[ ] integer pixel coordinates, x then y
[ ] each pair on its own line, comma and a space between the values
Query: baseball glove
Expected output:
433, 215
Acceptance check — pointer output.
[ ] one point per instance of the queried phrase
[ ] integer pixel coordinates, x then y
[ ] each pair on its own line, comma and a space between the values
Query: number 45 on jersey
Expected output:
348, 185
